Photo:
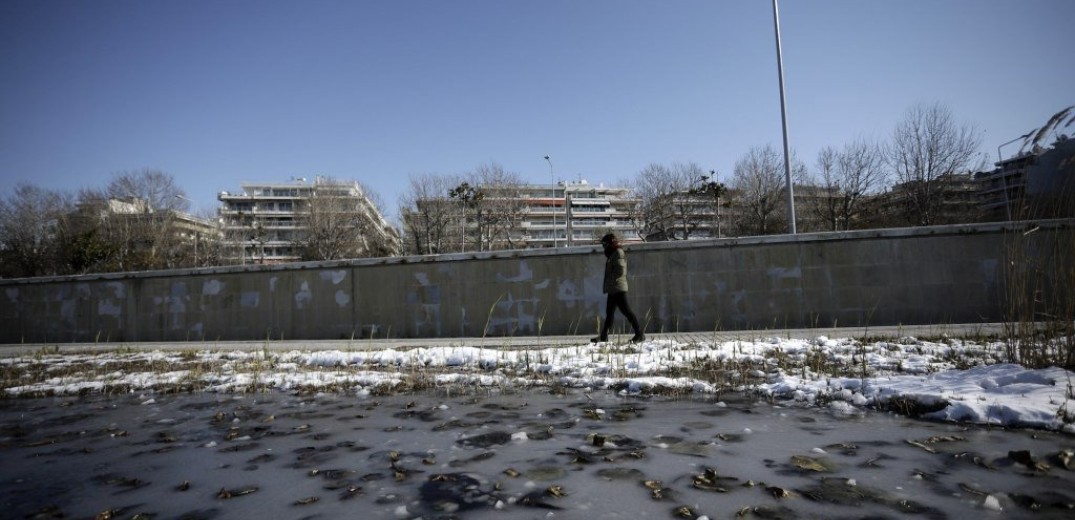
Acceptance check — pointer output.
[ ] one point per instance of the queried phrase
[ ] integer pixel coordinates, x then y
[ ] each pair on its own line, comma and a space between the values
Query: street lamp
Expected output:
552, 181
784, 122
1004, 175
1024, 136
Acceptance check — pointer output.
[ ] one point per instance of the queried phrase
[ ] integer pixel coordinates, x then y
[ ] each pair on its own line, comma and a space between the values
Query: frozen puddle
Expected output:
510, 455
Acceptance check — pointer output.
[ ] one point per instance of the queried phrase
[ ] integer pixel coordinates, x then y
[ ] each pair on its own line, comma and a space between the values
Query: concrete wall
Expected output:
948, 274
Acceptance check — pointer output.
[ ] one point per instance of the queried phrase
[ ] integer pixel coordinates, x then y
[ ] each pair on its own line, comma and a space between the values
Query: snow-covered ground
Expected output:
950, 380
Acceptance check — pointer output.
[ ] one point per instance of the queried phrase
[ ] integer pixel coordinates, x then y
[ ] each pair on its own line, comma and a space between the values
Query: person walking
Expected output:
615, 286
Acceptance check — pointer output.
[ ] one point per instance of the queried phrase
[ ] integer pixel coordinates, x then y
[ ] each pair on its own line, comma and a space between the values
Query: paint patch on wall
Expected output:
428, 293
525, 274
177, 304
108, 308
12, 295
272, 283
342, 298
989, 270
212, 287
303, 296
67, 311
335, 276
119, 289
514, 316
568, 293
429, 316
783, 272
517, 310
250, 299
427, 297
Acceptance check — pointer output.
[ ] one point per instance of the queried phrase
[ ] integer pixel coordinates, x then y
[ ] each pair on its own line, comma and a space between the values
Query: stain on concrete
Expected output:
342, 298
303, 296
250, 299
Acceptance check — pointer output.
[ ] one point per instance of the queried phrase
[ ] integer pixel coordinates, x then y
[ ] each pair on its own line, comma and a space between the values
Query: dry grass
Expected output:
1040, 303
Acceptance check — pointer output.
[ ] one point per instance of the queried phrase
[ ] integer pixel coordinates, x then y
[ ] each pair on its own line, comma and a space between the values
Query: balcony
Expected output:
576, 201
541, 225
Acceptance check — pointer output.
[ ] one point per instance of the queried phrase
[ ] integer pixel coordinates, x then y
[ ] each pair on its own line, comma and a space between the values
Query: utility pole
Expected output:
784, 121
552, 181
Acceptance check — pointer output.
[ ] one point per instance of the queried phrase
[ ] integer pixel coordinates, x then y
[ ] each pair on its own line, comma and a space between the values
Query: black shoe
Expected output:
639, 338
599, 339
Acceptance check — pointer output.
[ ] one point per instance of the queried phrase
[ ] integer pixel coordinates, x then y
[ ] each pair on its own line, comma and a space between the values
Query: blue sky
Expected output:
221, 92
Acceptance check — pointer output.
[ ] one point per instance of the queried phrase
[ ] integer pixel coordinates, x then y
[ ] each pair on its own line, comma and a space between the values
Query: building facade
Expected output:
590, 211
271, 223
1039, 183
947, 199
521, 216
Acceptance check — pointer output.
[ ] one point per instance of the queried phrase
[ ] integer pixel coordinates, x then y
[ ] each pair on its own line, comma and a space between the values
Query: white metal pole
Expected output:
784, 122
552, 180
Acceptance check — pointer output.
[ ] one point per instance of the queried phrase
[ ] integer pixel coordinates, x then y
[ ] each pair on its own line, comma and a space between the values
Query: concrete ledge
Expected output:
972, 331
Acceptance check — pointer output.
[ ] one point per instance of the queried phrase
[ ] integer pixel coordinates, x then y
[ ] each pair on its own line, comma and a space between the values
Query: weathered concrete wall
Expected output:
950, 274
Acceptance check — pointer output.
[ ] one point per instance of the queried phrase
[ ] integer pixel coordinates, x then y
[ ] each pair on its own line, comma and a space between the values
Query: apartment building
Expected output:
1037, 183
527, 216
270, 223
586, 211
950, 199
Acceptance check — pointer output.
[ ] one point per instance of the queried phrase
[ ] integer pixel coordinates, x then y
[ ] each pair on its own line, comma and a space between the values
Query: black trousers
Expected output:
618, 301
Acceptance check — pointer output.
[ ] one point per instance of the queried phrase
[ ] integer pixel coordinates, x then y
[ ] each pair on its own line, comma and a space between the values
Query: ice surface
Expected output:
512, 454
663, 429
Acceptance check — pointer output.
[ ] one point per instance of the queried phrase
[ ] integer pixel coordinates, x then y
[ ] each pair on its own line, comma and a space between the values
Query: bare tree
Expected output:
155, 189
33, 232
650, 183
427, 214
686, 210
130, 225
827, 206
125, 234
207, 246
111, 234
760, 187
845, 178
927, 146
497, 205
668, 207
339, 220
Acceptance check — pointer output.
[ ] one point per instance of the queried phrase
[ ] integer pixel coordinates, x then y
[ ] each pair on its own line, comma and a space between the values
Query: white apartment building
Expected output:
265, 222
522, 217
567, 214
589, 211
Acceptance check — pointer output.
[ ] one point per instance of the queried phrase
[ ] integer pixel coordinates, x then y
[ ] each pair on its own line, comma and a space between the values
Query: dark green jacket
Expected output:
615, 272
